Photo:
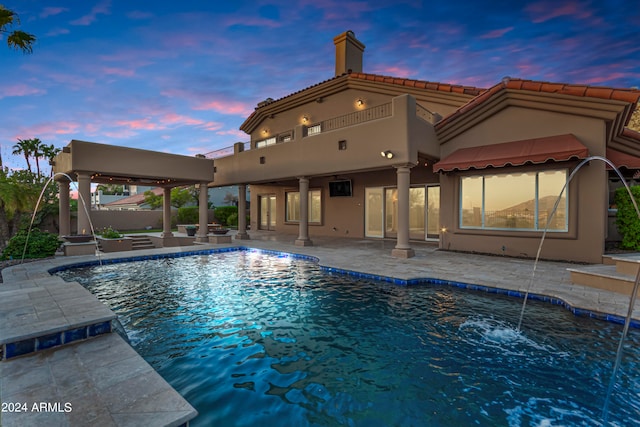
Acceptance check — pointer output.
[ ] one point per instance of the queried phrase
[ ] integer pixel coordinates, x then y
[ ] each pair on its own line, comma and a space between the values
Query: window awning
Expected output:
622, 160
515, 153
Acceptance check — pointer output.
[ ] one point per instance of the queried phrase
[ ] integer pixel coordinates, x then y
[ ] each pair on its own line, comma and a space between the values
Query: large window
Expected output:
315, 206
518, 201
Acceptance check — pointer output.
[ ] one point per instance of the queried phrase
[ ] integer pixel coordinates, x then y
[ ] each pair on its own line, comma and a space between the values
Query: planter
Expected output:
116, 245
220, 231
78, 238
191, 231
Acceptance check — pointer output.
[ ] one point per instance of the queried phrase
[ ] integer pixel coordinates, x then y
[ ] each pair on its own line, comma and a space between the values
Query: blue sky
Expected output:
181, 77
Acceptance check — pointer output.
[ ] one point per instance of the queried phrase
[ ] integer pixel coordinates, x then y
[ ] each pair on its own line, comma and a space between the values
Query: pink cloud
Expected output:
226, 107
140, 124
20, 90
138, 14
102, 8
118, 71
495, 34
52, 11
58, 32
546, 10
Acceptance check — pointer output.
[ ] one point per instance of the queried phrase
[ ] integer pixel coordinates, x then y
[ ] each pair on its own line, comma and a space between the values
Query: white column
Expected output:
203, 204
242, 213
84, 203
303, 229
402, 249
64, 215
166, 213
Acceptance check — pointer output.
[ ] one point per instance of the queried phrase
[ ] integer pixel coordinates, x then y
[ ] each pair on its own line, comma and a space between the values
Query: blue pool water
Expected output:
255, 339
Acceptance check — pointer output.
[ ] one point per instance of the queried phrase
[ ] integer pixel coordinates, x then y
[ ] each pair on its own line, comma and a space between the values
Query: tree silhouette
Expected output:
16, 39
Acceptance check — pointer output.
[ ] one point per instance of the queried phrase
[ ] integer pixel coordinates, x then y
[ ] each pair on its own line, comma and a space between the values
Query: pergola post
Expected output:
64, 214
84, 203
242, 213
203, 201
166, 213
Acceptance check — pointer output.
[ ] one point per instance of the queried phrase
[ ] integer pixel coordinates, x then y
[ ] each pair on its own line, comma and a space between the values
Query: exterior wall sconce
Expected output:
388, 154
360, 102
305, 119
265, 131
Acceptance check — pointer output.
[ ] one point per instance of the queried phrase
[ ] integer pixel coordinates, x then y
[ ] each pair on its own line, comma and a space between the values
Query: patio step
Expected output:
616, 274
141, 242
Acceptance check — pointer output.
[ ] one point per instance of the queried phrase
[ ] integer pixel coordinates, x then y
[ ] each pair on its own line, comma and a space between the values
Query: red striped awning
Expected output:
622, 160
515, 153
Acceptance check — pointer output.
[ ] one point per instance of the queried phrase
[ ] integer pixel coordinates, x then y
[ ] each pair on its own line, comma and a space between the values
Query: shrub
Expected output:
41, 245
222, 213
627, 219
188, 215
110, 233
232, 220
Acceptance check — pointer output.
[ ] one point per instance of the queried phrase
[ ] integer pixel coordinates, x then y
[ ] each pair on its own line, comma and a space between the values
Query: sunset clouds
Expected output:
181, 77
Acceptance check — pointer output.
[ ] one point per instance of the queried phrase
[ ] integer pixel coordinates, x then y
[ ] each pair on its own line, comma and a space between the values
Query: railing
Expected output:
425, 114
225, 152
356, 117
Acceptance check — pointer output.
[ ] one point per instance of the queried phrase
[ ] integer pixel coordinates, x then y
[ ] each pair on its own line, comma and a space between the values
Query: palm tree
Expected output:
37, 146
26, 148
16, 39
49, 152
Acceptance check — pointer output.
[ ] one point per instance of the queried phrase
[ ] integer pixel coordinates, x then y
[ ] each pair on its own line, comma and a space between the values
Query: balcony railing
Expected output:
357, 117
351, 119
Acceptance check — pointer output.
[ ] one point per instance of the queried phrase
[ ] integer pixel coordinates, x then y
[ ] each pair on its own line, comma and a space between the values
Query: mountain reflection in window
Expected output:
516, 201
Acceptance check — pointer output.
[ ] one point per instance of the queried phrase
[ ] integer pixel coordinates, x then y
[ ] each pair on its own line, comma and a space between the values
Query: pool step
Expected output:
49, 312
616, 274
141, 242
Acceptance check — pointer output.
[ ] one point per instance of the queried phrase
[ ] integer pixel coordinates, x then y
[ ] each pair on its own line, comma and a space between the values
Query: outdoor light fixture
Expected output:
359, 102
305, 119
388, 154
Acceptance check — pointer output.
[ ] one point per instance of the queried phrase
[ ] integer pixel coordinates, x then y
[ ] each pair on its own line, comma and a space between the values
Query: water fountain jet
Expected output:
636, 285
33, 216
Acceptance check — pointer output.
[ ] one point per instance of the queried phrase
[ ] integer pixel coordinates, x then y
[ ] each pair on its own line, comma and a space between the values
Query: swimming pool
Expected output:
250, 338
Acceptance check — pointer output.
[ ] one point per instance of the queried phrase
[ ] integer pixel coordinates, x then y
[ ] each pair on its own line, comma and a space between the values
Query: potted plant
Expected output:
112, 240
191, 230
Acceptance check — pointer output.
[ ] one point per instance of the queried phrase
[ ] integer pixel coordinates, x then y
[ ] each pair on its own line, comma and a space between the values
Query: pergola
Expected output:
87, 162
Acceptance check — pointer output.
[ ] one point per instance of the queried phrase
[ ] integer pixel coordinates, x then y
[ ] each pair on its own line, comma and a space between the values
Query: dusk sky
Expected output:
181, 76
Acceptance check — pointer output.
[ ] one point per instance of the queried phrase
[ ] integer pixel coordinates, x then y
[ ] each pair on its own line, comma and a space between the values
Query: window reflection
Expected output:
520, 201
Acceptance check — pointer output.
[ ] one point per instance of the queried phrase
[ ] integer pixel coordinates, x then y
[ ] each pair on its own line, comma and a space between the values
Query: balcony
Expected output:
341, 144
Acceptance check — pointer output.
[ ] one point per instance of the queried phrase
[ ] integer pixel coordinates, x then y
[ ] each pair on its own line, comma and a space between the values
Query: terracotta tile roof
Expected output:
625, 95
422, 84
137, 199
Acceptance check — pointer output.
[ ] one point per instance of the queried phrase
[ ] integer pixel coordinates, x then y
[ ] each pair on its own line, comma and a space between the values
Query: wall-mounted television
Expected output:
340, 188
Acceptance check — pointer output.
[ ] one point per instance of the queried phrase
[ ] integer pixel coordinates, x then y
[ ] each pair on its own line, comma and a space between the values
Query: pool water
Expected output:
253, 339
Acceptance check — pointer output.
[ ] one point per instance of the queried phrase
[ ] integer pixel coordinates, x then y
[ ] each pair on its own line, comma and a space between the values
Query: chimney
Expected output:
348, 53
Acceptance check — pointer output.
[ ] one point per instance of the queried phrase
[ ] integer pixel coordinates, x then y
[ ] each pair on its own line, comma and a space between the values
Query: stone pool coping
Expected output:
34, 375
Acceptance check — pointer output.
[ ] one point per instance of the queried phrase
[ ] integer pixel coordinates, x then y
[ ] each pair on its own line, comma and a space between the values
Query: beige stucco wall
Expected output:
588, 197
403, 133
90, 157
345, 214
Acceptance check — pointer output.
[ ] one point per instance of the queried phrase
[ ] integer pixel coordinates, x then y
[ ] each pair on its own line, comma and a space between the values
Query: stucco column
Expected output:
203, 205
303, 230
166, 213
402, 249
242, 213
64, 215
84, 203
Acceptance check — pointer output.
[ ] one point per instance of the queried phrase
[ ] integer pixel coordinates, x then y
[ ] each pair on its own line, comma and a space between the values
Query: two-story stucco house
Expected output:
370, 156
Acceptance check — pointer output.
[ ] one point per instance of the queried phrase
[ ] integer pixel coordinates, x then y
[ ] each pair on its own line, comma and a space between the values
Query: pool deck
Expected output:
96, 378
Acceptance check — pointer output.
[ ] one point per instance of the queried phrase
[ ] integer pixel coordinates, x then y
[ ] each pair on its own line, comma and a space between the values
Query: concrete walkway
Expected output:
106, 383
